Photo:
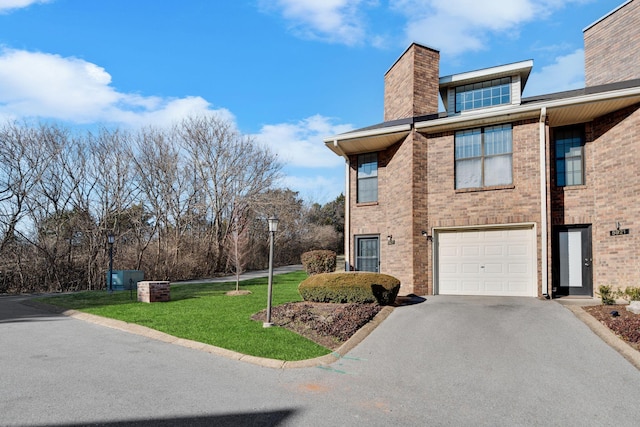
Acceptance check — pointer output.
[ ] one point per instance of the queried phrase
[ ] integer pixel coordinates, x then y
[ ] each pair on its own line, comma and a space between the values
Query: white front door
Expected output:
500, 262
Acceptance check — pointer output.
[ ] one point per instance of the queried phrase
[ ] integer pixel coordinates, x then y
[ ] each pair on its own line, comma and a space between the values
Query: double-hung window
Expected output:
484, 157
569, 150
368, 177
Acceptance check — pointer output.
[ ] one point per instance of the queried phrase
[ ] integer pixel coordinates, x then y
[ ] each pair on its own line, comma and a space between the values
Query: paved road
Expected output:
454, 361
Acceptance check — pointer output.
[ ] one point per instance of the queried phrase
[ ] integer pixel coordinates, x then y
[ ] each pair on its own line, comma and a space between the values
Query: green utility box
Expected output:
125, 279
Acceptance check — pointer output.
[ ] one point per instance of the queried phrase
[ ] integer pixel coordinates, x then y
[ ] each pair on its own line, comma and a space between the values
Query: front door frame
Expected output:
586, 260
357, 257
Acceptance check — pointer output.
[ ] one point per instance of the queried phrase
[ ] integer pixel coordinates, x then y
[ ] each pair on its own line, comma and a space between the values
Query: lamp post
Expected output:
273, 227
110, 239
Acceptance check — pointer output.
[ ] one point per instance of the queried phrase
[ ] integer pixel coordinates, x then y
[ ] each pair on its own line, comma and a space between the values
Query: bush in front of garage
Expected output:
350, 287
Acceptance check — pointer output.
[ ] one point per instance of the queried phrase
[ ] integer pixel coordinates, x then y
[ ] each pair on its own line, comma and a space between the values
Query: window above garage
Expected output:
484, 157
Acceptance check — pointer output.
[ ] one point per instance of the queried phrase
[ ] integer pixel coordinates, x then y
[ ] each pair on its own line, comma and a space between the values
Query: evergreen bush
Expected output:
350, 287
319, 261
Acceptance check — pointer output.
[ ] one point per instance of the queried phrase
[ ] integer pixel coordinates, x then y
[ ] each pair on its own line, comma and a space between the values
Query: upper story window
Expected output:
483, 94
569, 151
484, 157
367, 178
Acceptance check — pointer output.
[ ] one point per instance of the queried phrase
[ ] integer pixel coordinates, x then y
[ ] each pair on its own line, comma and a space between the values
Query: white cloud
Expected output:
565, 73
8, 5
300, 144
34, 84
452, 26
336, 21
457, 26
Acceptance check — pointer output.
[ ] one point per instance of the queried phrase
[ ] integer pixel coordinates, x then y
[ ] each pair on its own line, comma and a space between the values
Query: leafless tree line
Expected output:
177, 200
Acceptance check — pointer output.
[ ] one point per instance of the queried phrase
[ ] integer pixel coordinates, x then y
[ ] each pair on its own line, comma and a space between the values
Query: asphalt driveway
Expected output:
447, 361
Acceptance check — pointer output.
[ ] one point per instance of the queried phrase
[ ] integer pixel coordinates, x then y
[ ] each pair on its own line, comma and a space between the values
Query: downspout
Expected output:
347, 201
543, 203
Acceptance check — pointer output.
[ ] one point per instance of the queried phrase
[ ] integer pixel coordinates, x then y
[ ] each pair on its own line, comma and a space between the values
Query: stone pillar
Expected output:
153, 291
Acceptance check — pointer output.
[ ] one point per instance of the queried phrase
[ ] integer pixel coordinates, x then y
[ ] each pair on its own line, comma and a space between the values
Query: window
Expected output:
484, 157
483, 94
569, 142
367, 253
368, 178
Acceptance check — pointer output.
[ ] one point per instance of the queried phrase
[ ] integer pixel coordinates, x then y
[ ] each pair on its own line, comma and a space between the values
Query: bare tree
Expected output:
232, 171
187, 191
238, 248
21, 168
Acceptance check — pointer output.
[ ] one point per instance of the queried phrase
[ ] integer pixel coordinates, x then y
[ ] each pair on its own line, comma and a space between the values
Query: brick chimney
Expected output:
411, 85
612, 46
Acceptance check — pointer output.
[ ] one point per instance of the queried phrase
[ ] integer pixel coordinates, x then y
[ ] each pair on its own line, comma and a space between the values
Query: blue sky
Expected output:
289, 72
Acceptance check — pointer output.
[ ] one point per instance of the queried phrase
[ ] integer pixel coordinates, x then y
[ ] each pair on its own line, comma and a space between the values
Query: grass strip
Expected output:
204, 313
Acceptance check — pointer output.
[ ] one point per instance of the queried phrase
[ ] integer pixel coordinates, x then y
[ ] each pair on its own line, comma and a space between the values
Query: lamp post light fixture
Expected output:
111, 239
273, 227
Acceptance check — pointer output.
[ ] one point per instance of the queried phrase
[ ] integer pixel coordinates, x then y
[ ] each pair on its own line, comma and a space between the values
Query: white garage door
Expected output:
497, 262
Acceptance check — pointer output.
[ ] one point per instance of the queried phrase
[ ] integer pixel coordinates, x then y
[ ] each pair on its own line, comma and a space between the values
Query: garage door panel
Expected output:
494, 250
470, 251
496, 287
449, 268
517, 286
493, 268
471, 285
487, 262
517, 250
472, 235
519, 269
448, 286
449, 251
470, 268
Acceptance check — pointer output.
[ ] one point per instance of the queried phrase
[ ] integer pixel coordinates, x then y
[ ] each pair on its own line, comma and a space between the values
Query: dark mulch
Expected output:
327, 324
626, 325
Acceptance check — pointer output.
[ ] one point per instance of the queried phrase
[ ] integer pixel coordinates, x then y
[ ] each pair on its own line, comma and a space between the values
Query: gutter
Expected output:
543, 203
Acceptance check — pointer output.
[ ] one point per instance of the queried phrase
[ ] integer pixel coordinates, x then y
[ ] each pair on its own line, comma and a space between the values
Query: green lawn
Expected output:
204, 313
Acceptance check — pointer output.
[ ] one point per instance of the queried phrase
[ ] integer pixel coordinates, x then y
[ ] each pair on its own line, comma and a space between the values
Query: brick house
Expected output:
500, 194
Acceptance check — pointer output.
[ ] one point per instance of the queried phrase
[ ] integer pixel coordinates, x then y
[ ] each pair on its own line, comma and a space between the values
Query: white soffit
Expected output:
367, 140
579, 113
563, 111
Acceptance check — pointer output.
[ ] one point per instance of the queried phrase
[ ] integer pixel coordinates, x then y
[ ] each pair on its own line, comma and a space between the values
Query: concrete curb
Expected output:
133, 328
611, 339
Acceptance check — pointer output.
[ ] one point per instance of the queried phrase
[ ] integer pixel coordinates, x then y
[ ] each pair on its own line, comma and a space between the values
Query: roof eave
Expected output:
368, 140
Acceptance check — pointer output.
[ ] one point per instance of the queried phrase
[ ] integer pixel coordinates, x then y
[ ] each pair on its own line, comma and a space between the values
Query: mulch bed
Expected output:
327, 324
626, 324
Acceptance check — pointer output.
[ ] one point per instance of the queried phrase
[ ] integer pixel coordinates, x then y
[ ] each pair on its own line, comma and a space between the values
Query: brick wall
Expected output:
612, 47
422, 270
390, 215
517, 203
611, 193
411, 85
416, 192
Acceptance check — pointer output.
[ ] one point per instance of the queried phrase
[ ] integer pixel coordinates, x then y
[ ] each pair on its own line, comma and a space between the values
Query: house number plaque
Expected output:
619, 232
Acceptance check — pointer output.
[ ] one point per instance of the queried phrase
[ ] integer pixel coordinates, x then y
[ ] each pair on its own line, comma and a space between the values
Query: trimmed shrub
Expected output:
607, 295
320, 261
350, 287
632, 293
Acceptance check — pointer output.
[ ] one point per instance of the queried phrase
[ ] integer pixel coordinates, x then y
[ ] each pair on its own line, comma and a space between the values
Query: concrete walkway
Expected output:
244, 276
459, 361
